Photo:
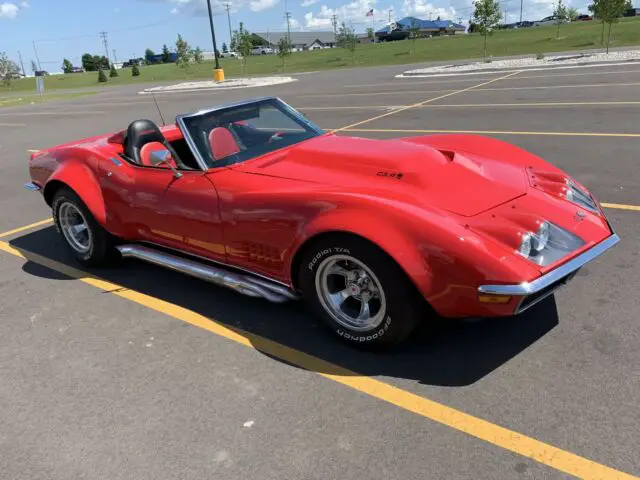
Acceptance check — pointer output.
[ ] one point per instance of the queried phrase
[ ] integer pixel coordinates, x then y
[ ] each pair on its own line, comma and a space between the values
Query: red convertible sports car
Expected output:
375, 235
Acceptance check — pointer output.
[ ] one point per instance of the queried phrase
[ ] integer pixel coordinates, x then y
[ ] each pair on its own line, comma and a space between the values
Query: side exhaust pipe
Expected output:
244, 284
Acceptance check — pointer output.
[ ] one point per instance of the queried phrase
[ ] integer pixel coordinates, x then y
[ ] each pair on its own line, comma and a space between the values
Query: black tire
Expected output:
405, 307
101, 250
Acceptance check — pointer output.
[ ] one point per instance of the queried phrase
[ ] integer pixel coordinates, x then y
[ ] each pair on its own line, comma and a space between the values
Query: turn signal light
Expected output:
495, 299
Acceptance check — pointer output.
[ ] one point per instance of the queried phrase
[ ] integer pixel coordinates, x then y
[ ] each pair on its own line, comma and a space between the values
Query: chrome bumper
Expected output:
540, 288
32, 186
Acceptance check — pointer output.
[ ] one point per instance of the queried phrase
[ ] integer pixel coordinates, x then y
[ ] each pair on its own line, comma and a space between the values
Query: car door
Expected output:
152, 204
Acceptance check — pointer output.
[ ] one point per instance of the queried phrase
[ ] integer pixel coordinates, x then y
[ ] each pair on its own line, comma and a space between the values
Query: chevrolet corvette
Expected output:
375, 235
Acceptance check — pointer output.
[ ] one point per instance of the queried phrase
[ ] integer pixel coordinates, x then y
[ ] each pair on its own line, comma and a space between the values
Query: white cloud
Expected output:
259, 5
308, 3
351, 12
24, 4
174, 11
293, 23
8, 10
426, 10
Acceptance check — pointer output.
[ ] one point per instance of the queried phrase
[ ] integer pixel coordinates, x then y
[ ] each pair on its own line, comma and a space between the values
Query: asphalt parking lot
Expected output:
146, 374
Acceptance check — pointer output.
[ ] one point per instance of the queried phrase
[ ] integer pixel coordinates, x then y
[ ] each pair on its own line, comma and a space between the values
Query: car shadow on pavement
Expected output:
443, 353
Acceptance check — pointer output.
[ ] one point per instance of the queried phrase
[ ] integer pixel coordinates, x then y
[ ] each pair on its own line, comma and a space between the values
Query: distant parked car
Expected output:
77, 70
551, 20
261, 51
229, 55
583, 18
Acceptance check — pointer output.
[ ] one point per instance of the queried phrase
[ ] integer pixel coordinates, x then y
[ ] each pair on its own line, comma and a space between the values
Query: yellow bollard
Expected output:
218, 75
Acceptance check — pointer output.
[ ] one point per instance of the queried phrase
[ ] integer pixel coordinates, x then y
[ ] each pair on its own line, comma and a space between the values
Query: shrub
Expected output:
135, 71
539, 56
113, 72
101, 76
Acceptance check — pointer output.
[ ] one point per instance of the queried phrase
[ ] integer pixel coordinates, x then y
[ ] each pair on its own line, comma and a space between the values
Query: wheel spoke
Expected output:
365, 313
338, 270
340, 297
78, 229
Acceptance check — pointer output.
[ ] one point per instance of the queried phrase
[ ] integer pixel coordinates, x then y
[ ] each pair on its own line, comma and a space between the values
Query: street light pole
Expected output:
219, 73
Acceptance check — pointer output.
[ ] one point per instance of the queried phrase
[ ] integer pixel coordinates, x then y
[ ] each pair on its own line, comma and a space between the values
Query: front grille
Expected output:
534, 298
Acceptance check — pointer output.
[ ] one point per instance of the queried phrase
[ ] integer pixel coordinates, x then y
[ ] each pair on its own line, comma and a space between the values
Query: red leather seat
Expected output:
222, 143
148, 159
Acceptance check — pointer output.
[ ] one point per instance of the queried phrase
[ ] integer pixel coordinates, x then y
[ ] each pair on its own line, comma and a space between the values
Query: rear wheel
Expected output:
362, 295
90, 244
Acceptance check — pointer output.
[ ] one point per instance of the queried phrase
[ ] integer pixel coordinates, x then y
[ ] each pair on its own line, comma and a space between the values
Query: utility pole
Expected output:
115, 59
35, 49
334, 22
21, 63
505, 14
390, 10
287, 14
521, 2
106, 45
219, 74
228, 7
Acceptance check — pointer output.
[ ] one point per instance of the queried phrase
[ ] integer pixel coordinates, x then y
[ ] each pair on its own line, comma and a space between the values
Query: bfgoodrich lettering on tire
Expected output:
359, 291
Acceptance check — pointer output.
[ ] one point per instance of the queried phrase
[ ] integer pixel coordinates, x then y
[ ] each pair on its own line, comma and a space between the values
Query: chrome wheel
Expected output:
74, 227
351, 293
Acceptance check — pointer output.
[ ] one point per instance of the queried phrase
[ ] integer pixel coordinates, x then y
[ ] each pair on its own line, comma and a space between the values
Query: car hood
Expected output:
462, 183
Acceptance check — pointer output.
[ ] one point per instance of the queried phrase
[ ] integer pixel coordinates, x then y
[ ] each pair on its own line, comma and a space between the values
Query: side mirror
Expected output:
162, 158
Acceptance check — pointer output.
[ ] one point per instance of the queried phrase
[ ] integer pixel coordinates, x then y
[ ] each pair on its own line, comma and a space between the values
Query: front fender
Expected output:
77, 175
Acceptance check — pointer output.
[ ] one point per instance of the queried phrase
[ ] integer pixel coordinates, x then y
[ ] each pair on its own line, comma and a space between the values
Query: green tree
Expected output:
370, 34
87, 63
198, 57
347, 38
183, 52
284, 49
242, 41
562, 15
414, 34
486, 15
8, 68
608, 11
135, 71
573, 13
224, 48
102, 78
257, 41
165, 54
112, 71
67, 66
148, 56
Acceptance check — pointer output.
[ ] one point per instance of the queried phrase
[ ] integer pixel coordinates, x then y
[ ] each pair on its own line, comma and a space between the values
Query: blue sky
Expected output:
70, 28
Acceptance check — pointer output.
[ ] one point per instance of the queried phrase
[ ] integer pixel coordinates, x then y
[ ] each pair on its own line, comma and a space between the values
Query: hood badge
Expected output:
579, 216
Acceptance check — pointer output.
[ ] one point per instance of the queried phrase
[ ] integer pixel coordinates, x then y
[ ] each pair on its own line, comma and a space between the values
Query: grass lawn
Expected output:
574, 36
16, 99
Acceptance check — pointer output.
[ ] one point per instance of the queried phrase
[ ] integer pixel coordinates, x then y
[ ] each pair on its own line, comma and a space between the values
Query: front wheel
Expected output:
90, 244
360, 292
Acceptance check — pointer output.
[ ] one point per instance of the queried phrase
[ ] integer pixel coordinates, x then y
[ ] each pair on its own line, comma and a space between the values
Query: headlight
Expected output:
549, 244
578, 196
541, 237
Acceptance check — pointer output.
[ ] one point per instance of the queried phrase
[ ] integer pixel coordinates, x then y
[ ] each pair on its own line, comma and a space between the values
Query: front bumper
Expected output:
537, 290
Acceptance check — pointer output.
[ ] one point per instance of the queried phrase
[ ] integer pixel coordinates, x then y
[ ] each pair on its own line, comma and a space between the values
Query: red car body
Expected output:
451, 210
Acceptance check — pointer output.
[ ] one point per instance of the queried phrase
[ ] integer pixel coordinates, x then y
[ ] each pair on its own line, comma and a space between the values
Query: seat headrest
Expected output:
139, 133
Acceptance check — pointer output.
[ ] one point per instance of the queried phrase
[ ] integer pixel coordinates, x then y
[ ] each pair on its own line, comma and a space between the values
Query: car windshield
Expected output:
230, 135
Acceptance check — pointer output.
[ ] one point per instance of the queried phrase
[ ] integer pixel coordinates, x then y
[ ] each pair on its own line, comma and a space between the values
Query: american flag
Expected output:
370, 13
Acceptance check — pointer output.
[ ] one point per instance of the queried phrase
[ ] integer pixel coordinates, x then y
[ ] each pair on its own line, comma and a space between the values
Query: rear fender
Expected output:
77, 175
382, 230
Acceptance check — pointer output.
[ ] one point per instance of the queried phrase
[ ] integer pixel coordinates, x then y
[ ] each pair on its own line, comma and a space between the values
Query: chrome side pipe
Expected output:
241, 283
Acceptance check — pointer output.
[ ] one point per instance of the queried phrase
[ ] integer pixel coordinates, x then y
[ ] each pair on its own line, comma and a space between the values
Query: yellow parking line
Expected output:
26, 227
494, 132
544, 453
621, 206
